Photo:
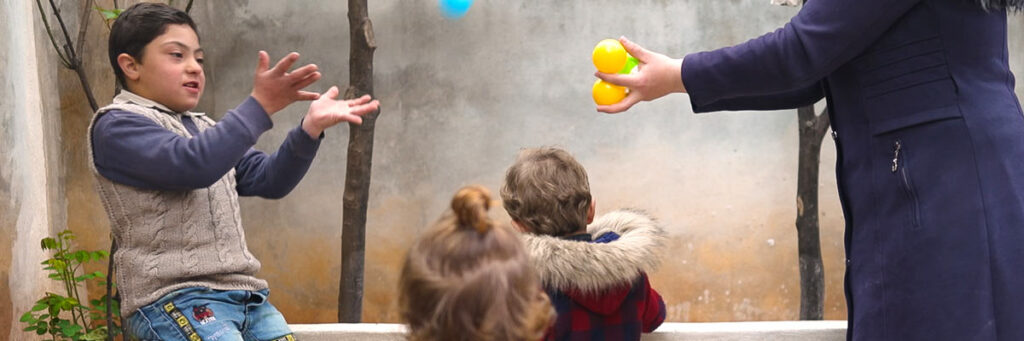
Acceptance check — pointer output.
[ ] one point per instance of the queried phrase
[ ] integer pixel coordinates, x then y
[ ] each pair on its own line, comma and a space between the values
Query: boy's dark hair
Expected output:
137, 26
547, 190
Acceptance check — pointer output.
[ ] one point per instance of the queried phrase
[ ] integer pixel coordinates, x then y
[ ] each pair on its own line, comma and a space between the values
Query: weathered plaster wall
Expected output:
30, 165
459, 99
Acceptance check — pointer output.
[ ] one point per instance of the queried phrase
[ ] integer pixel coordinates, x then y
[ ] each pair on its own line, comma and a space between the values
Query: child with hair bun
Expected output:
468, 278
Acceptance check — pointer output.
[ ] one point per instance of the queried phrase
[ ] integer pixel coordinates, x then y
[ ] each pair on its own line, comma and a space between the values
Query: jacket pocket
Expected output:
915, 98
901, 170
906, 85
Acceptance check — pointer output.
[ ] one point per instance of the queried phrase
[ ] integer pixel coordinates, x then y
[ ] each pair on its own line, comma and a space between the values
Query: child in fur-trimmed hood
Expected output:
596, 275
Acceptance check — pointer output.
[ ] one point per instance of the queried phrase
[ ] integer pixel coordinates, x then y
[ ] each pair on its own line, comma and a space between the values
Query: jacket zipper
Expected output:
908, 188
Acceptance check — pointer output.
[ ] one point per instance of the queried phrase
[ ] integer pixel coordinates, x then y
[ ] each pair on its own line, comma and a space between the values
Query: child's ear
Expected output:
592, 211
129, 66
519, 226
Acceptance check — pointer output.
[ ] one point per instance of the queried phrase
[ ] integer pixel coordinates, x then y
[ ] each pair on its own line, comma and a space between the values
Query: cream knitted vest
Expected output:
169, 240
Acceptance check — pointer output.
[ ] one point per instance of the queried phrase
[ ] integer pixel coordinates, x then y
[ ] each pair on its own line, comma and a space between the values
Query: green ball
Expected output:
631, 62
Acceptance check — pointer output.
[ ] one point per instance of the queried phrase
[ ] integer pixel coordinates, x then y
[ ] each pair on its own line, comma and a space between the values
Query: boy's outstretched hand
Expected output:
276, 88
328, 111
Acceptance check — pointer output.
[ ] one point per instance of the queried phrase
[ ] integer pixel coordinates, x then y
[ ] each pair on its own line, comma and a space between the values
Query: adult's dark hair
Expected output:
1009, 5
137, 26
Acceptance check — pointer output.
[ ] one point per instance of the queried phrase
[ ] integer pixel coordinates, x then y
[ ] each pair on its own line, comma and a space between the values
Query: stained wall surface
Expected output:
459, 99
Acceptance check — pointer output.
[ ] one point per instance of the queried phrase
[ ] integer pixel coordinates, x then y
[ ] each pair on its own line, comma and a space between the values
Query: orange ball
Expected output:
609, 56
607, 93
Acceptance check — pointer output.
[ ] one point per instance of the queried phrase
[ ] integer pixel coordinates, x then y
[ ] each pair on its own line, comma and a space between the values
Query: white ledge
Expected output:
712, 331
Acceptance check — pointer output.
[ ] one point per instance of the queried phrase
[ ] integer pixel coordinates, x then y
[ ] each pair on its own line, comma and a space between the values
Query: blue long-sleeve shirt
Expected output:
133, 150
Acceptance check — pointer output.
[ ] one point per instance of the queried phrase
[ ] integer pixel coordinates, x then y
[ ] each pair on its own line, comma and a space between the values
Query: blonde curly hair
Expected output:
468, 278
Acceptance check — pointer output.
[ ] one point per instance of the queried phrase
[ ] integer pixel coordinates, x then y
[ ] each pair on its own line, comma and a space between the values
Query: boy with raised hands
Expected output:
170, 179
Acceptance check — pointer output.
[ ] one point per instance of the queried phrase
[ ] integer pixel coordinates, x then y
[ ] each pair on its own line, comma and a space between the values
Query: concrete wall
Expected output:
459, 98
30, 165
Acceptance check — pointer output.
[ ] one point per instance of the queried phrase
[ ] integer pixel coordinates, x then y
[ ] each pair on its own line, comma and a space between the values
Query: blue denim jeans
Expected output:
195, 314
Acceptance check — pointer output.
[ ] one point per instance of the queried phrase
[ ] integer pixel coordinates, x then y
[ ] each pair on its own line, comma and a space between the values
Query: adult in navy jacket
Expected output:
930, 140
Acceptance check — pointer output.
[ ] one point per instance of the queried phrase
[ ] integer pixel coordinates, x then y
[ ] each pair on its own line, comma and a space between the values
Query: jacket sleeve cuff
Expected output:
302, 145
694, 78
253, 117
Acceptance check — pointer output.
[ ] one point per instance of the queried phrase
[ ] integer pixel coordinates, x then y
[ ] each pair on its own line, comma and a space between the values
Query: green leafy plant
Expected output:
65, 317
109, 14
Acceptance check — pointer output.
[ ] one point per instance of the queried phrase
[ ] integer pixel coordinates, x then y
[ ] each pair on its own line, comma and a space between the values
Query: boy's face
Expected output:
171, 69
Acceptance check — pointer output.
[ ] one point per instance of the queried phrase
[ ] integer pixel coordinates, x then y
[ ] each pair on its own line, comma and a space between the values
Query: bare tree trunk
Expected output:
357, 172
812, 272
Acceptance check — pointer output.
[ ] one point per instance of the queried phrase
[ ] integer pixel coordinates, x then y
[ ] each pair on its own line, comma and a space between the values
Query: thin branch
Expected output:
188, 7
49, 32
86, 88
72, 61
75, 61
110, 275
83, 24
77, 296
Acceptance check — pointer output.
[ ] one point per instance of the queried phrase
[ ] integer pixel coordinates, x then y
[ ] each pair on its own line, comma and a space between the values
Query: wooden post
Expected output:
357, 172
812, 272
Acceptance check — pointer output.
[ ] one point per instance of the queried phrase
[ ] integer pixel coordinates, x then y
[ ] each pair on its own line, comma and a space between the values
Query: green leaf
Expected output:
103, 253
109, 14
89, 276
54, 300
48, 244
27, 317
63, 323
38, 307
71, 330
81, 256
29, 328
96, 334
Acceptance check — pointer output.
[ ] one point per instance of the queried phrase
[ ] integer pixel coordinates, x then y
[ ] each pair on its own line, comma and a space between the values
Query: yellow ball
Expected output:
609, 56
607, 93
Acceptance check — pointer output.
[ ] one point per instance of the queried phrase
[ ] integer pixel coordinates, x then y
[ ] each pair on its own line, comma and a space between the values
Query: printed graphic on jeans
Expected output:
181, 321
203, 314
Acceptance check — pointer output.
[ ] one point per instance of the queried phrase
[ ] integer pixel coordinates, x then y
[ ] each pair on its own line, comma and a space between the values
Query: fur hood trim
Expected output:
593, 267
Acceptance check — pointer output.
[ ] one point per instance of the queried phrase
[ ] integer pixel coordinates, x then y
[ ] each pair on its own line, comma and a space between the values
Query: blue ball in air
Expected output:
454, 9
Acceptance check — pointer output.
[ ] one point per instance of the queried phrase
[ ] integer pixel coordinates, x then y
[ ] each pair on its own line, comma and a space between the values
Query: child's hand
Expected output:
328, 111
277, 88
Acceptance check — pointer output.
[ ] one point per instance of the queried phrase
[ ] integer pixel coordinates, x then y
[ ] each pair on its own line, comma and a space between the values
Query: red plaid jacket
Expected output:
619, 313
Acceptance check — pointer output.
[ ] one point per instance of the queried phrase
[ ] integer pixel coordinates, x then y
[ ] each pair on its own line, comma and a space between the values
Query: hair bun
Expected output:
470, 205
